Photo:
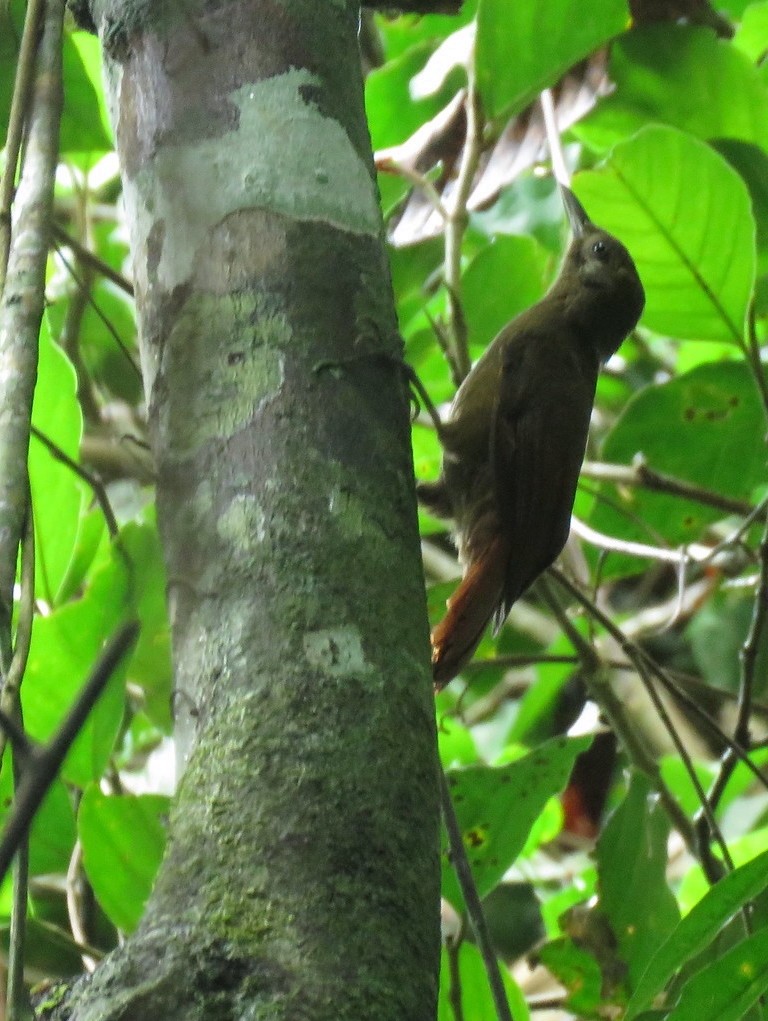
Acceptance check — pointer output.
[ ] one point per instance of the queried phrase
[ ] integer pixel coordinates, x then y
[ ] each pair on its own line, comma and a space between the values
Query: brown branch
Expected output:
640, 474
89, 258
23, 301
463, 870
19, 104
41, 765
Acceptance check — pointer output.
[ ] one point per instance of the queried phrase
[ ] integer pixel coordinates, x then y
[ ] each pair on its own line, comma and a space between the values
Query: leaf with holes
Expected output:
497, 807
714, 414
689, 229
123, 838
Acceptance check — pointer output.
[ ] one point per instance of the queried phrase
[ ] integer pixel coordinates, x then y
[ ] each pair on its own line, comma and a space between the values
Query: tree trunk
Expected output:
302, 875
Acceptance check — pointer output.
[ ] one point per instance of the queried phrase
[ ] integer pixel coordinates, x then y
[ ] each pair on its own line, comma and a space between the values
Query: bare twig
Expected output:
755, 359
42, 764
639, 474
645, 667
107, 324
89, 258
749, 653
23, 300
594, 674
559, 167
457, 221
16, 999
74, 905
95, 484
19, 104
466, 880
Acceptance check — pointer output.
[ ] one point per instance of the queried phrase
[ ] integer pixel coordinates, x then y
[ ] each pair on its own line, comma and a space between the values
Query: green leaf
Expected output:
506, 277
151, 659
393, 115
752, 34
682, 76
577, 970
52, 835
497, 808
698, 929
727, 987
523, 47
84, 120
123, 840
714, 414
694, 246
632, 861
476, 998
65, 646
57, 493
717, 634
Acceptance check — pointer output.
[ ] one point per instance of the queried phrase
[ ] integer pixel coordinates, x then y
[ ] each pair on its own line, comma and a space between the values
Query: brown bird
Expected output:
515, 436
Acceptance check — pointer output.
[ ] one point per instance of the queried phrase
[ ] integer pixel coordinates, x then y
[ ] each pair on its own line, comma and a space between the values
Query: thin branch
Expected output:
749, 654
457, 221
105, 321
89, 258
16, 118
594, 674
392, 166
453, 950
74, 906
95, 484
559, 167
755, 359
645, 667
23, 300
16, 998
639, 474
639, 549
466, 880
41, 768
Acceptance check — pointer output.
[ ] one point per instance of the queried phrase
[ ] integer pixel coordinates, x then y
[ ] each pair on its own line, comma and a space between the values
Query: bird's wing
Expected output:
538, 439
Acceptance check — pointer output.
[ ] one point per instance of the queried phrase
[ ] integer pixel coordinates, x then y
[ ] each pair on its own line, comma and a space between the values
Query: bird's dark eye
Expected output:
600, 249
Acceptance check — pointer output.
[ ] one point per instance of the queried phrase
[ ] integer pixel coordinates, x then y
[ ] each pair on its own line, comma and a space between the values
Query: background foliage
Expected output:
668, 127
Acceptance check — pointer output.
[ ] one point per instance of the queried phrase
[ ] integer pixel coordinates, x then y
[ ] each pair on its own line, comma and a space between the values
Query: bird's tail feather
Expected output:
471, 606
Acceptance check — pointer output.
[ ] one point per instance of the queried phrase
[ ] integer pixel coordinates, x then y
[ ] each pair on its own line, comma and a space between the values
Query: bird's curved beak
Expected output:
576, 212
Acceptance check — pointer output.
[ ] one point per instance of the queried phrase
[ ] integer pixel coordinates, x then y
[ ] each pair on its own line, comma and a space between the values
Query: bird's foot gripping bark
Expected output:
470, 608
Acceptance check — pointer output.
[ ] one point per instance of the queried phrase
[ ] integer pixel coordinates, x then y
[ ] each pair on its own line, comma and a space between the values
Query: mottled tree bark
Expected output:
302, 876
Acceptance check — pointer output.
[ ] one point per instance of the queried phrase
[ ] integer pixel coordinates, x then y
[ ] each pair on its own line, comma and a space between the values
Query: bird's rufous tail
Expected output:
470, 608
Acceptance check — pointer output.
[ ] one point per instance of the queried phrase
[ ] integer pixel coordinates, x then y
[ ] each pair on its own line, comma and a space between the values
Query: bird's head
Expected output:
603, 284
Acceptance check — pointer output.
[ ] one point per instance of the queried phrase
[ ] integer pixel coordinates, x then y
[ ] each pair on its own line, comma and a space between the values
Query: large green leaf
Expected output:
84, 123
523, 47
393, 115
65, 647
632, 861
57, 493
682, 76
702, 427
689, 228
503, 279
577, 970
83, 120
496, 808
729, 986
151, 659
123, 840
698, 929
